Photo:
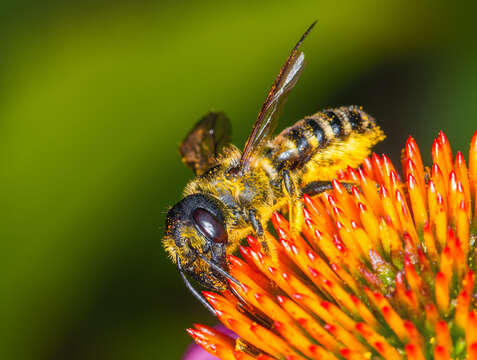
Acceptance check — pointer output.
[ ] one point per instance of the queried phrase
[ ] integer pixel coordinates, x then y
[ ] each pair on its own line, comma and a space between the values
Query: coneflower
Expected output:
385, 271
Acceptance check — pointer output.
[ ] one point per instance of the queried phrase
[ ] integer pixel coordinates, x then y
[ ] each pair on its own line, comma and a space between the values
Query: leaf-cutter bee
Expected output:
235, 193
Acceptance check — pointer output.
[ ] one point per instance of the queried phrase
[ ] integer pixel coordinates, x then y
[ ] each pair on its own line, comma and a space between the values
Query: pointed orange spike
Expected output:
471, 329
213, 341
345, 337
367, 167
316, 331
304, 258
442, 293
462, 227
308, 230
413, 352
388, 166
320, 353
279, 221
264, 357
460, 260
362, 238
377, 341
319, 214
347, 278
440, 156
418, 202
253, 243
358, 197
405, 217
294, 337
218, 302
297, 241
440, 353
370, 223
413, 279
413, 334
275, 275
242, 272
432, 316
468, 283
309, 302
455, 197
390, 316
430, 244
389, 207
247, 256
348, 240
280, 346
440, 221
463, 178
378, 169
447, 259
440, 181
341, 175
443, 336
352, 175
412, 153
404, 296
326, 245
345, 201
391, 241
472, 351
369, 189
412, 170
338, 293
240, 355
462, 309
446, 150
365, 313
473, 169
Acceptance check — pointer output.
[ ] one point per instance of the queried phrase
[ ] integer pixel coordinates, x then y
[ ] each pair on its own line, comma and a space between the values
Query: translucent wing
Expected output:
203, 143
268, 116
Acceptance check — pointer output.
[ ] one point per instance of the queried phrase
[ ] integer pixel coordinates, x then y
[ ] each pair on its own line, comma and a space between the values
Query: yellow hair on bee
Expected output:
340, 154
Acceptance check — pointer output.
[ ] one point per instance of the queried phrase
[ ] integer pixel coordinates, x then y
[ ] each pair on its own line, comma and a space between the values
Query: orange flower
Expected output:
383, 272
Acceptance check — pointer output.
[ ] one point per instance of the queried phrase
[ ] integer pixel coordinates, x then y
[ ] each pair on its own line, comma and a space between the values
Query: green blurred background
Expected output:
94, 99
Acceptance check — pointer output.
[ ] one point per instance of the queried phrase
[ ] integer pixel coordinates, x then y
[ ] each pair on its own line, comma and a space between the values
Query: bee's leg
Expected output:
266, 242
258, 229
317, 187
194, 292
256, 224
295, 206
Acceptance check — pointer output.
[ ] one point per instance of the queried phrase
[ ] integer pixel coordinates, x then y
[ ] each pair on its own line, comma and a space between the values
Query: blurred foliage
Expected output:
94, 99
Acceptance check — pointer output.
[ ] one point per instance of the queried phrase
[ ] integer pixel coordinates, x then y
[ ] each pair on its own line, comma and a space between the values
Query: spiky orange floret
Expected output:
383, 272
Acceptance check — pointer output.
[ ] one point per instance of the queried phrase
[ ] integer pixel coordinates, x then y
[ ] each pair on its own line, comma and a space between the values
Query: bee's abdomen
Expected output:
298, 143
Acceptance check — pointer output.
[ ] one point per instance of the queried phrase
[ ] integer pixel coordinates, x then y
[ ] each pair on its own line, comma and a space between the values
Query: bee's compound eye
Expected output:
209, 226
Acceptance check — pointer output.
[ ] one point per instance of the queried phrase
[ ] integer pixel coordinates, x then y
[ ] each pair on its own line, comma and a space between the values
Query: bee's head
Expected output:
196, 236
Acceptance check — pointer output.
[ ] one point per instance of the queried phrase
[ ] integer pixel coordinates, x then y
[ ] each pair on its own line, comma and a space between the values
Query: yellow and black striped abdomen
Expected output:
316, 147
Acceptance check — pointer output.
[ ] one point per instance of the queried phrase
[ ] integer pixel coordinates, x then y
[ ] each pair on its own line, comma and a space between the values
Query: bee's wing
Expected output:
203, 143
268, 116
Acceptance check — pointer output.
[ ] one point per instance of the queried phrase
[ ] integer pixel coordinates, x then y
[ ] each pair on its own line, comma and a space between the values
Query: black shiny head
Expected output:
197, 226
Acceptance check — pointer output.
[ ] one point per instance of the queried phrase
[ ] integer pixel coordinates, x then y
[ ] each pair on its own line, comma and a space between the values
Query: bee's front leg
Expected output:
266, 241
258, 229
318, 187
295, 205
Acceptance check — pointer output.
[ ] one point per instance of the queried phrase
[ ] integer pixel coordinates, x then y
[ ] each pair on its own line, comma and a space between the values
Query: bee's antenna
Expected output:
219, 269
194, 292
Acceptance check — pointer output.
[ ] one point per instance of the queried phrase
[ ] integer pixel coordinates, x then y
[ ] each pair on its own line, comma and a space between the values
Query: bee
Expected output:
235, 192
